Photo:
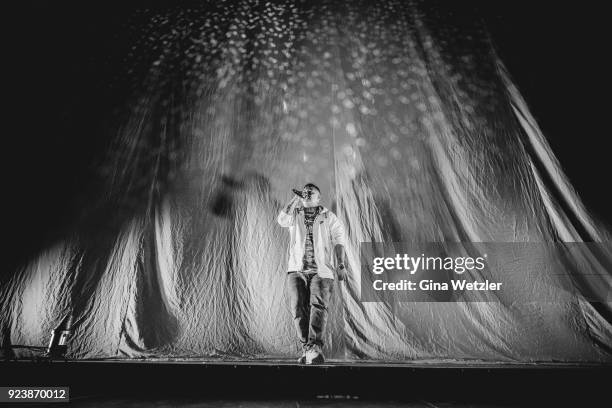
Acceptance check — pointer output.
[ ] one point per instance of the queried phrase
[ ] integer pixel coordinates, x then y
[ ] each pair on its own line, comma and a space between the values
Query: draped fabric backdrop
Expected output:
412, 128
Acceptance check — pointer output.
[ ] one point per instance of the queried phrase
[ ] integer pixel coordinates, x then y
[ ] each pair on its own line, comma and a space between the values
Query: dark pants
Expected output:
309, 296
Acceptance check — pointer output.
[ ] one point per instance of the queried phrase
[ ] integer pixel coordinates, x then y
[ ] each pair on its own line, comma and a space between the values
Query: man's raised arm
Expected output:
286, 217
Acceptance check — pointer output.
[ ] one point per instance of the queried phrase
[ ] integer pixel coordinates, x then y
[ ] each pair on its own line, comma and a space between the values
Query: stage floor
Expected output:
433, 363
338, 403
282, 383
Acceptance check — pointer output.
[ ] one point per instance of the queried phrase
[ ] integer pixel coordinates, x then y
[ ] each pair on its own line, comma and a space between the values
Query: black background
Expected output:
62, 59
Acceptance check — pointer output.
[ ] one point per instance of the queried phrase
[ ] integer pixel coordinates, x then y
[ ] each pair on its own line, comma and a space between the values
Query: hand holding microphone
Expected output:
294, 202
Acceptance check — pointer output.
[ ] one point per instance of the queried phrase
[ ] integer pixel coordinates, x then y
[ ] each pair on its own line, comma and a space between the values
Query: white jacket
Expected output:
327, 232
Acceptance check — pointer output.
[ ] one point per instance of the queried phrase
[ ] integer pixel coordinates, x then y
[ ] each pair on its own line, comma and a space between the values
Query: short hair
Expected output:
311, 185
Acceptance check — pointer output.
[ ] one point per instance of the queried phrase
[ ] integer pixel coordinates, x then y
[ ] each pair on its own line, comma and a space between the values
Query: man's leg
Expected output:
320, 294
298, 293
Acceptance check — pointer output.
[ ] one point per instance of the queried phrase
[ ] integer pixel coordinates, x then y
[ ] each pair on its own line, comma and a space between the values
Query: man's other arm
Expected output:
338, 236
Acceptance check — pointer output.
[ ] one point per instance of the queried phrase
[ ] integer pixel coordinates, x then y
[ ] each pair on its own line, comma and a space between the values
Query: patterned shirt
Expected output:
309, 263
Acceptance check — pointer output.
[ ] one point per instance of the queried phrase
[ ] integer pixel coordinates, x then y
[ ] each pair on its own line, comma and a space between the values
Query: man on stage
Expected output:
316, 250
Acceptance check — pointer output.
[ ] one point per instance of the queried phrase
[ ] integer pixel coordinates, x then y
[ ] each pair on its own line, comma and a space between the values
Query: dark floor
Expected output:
193, 403
188, 383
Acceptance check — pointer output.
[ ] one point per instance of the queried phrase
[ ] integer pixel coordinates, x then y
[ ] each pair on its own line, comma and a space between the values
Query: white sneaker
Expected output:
302, 359
314, 355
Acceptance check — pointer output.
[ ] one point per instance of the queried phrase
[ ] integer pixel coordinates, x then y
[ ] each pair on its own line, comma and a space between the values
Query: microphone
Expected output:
297, 193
